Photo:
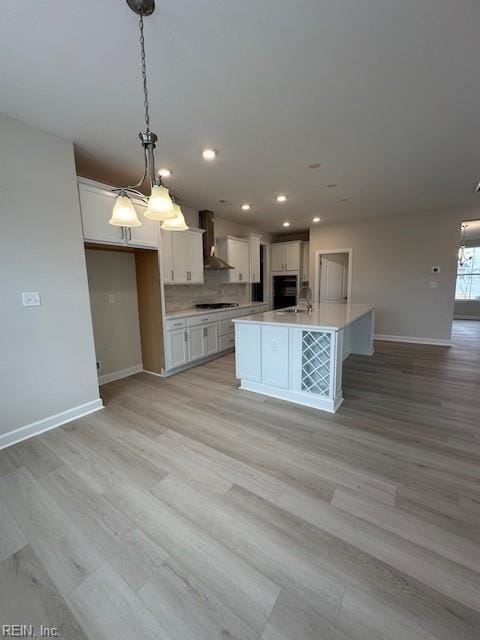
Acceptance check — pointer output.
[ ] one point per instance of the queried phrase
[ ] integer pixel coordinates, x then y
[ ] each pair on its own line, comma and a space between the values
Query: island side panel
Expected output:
248, 351
362, 332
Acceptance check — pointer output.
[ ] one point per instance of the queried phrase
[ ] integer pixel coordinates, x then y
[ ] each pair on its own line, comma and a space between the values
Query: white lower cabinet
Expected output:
210, 336
275, 356
196, 348
177, 352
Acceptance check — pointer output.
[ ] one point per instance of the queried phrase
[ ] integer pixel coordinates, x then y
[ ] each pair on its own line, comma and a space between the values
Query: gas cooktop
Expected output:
216, 305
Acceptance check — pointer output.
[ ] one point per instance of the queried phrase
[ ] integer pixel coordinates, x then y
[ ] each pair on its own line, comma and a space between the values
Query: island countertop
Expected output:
328, 316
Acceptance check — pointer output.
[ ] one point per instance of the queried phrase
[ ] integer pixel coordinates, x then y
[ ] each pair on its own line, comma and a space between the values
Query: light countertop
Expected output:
184, 313
323, 316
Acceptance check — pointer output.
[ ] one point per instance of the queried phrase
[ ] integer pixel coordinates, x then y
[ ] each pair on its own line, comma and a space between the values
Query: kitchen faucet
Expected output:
305, 293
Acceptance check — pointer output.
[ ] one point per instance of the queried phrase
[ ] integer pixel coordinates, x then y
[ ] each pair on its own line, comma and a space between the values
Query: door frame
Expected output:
317, 271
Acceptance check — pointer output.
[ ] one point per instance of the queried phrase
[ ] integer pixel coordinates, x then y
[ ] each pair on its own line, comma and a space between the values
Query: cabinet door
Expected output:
254, 260
147, 234
248, 363
233, 259
210, 335
177, 348
181, 262
196, 343
278, 257
96, 207
166, 256
275, 356
305, 261
194, 244
292, 256
243, 262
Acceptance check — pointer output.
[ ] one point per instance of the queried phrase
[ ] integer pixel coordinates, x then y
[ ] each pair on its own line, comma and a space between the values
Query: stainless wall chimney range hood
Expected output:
211, 261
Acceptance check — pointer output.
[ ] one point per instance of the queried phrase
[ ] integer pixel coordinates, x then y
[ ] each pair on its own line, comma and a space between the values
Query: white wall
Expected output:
116, 327
47, 357
392, 257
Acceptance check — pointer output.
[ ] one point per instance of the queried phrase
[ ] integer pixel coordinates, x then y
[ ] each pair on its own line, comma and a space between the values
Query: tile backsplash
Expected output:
185, 296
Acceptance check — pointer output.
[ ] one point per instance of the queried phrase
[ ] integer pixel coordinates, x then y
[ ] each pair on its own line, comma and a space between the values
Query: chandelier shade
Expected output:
124, 213
176, 224
160, 205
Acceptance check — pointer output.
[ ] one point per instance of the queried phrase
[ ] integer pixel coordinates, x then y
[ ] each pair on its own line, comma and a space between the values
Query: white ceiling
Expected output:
384, 93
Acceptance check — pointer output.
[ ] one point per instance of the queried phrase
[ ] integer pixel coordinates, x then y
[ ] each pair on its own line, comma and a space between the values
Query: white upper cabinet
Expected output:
235, 252
305, 261
278, 257
254, 242
182, 257
286, 256
96, 204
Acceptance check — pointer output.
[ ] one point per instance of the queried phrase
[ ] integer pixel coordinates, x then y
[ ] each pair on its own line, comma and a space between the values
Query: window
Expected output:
468, 275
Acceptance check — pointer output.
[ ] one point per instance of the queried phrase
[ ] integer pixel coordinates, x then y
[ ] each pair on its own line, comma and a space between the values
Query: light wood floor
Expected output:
190, 510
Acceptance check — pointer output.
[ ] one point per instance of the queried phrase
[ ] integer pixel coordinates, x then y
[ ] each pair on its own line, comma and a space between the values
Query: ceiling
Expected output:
385, 94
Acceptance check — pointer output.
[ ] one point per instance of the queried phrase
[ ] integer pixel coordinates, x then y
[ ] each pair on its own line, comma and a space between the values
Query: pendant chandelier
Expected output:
462, 259
160, 205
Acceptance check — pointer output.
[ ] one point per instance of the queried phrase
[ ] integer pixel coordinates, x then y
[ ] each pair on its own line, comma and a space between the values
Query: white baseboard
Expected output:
413, 340
118, 375
35, 428
464, 317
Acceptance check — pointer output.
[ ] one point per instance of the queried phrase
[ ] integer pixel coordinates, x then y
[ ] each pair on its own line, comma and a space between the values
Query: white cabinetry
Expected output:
254, 249
235, 252
182, 256
275, 356
304, 274
96, 204
202, 341
286, 256
177, 353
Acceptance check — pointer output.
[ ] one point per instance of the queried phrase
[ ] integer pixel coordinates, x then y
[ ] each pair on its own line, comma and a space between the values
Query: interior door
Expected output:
278, 257
333, 279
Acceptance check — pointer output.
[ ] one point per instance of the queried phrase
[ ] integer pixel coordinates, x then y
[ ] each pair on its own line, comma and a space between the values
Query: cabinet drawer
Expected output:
227, 341
201, 319
173, 324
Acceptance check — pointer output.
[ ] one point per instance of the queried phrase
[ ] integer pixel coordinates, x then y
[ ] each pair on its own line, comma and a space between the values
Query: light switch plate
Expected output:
31, 299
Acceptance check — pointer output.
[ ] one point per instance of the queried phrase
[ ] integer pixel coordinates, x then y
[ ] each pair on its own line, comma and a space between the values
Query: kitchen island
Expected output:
297, 355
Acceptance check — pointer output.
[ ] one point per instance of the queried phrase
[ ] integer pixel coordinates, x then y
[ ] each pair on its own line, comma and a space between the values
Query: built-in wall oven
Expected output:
285, 291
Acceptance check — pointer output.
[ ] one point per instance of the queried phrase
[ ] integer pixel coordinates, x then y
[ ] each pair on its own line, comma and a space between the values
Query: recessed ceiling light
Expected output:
315, 165
331, 186
209, 154
281, 198
164, 173
246, 207
316, 220
286, 224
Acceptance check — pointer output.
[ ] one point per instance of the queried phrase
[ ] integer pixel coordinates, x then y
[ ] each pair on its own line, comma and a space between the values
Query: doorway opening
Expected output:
467, 289
333, 276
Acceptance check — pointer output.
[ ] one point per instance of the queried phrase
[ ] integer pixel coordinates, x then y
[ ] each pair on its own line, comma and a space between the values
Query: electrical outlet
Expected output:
31, 299
99, 365
433, 284
111, 298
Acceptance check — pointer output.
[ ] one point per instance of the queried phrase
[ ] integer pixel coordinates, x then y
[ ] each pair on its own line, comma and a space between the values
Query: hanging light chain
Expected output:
144, 75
